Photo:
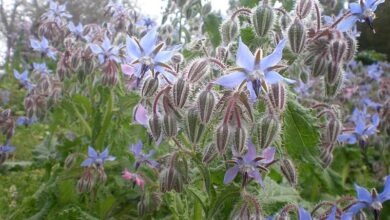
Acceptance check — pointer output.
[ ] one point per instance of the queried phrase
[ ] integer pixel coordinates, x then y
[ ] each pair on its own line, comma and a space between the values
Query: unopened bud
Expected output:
155, 127
262, 19
351, 47
222, 139
229, 31
169, 125
206, 9
149, 87
86, 182
332, 90
333, 130
333, 73
194, 129
197, 69
304, 8
209, 153
289, 171
149, 202
70, 161
170, 179
221, 53
240, 139
180, 92
337, 49
177, 58
268, 130
319, 66
277, 98
206, 104
75, 60
297, 36
285, 21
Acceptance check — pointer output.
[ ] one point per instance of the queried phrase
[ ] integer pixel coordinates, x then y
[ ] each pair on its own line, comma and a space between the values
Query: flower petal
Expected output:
349, 138
268, 155
357, 207
347, 23
363, 194
87, 162
303, 214
355, 8
141, 115
163, 56
149, 41
275, 57
231, 80
92, 152
244, 58
96, 49
385, 194
273, 77
133, 49
136, 148
230, 174
251, 153
255, 174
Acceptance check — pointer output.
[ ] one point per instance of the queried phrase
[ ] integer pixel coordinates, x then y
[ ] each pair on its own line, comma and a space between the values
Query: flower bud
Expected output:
289, 171
70, 161
327, 158
277, 98
86, 182
332, 90
193, 129
333, 73
240, 139
221, 53
268, 130
197, 69
229, 31
149, 202
149, 87
206, 104
110, 76
188, 11
89, 66
101, 175
75, 60
170, 179
303, 8
155, 127
222, 140
209, 153
319, 66
262, 19
297, 36
351, 47
169, 125
206, 9
284, 21
180, 92
337, 50
177, 58
333, 130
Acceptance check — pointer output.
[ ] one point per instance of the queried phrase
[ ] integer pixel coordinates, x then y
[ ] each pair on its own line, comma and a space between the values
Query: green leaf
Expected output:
300, 133
223, 196
211, 27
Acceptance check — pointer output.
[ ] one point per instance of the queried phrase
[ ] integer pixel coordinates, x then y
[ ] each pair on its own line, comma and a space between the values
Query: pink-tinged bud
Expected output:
262, 19
86, 182
75, 60
126, 175
155, 127
180, 92
229, 31
351, 47
222, 139
319, 66
197, 69
240, 139
337, 50
149, 87
332, 90
297, 36
277, 98
62, 72
268, 130
209, 153
170, 179
289, 172
206, 105
249, 209
193, 127
110, 76
303, 8
169, 125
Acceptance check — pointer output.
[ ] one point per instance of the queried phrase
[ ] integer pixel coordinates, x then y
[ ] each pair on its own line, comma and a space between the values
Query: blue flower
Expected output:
96, 158
362, 11
375, 71
371, 200
23, 79
6, 149
106, 51
76, 30
303, 214
254, 69
149, 56
140, 157
41, 68
26, 120
43, 47
56, 12
250, 164
344, 216
147, 22
361, 130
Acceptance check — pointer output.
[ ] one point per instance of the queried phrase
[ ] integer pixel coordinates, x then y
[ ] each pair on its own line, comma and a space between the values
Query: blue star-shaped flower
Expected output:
23, 79
96, 158
43, 47
76, 30
361, 131
140, 157
106, 51
41, 68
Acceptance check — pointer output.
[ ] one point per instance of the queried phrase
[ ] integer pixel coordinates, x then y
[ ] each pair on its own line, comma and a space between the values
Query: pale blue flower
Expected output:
140, 157
361, 131
303, 214
43, 47
106, 51
23, 79
26, 120
254, 70
56, 12
96, 158
76, 30
41, 68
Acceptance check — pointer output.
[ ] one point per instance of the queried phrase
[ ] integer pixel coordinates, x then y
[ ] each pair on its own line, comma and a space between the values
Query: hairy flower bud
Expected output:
155, 127
289, 171
180, 92
209, 153
262, 19
222, 139
351, 47
327, 158
149, 87
70, 161
333, 130
221, 53
206, 9
177, 58
197, 69
229, 31
333, 73
206, 104
277, 98
169, 125
337, 50
319, 66
268, 130
303, 8
170, 179
332, 90
285, 21
75, 60
240, 139
297, 36
149, 202
86, 182
193, 129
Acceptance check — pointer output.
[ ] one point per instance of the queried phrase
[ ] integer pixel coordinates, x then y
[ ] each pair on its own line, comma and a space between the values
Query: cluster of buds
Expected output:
7, 123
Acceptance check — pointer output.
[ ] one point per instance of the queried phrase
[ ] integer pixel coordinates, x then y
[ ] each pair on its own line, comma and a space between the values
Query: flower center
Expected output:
369, 13
146, 60
376, 205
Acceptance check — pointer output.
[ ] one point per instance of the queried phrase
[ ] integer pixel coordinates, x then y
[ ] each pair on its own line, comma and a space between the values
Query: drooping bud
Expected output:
248, 208
229, 31
155, 127
193, 129
333, 130
177, 58
206, 104
209, 153
101, 175
334, 70
180, 92
289, 171
169, 125
319, 66
69, 161
206, 9
89, 66
268, 130
351, 47
75, 60
221, 53
86, 182
337, 50
197, 69
222, 139
332, 90
170, 179
149, 202
297, 36
277, 98
149, 87
327, 158
285, 21
262, 19
304, 8
240, 139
